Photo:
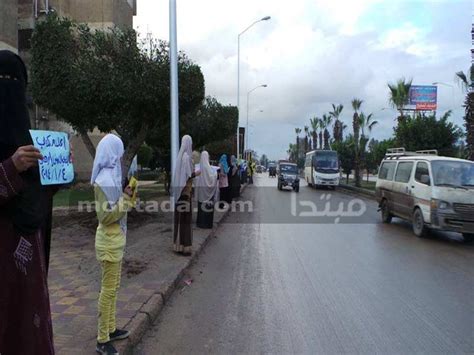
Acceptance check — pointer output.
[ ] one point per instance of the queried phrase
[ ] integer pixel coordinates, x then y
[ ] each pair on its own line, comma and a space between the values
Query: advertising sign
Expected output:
56, 166
424, 97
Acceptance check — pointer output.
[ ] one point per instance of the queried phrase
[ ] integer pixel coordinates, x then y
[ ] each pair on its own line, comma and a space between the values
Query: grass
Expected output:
369, 185
71, 197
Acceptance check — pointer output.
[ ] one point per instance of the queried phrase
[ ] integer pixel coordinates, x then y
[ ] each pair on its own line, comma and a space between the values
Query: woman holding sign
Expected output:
112, 205
25, 210
182, 185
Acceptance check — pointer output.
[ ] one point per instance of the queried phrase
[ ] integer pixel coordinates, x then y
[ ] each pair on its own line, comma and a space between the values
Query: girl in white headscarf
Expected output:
182, 194
206, 191
112, 204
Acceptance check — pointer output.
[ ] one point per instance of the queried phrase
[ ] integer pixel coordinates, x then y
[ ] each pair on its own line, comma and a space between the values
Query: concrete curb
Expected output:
151, 309
367, 193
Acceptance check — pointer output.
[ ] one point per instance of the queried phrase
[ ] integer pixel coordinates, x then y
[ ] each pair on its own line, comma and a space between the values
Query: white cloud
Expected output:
314, 53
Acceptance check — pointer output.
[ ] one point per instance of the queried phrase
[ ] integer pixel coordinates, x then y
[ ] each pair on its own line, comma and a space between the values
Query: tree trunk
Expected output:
347, 178
469, 118
132, 149
357, 158
88, 143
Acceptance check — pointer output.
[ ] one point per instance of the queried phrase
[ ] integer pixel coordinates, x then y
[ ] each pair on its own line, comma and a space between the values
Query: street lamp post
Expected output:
266, 18
248, 99
174, 86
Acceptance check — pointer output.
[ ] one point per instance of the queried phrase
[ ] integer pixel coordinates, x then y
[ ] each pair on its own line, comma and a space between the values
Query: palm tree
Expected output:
292, 152
356, 103
468, 84
297, 131
321, 124
400, 95
306, 135
338, 128
327, 119
366, 124
314, 133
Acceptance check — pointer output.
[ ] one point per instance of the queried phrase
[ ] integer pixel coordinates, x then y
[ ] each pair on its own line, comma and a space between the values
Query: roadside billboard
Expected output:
424, 97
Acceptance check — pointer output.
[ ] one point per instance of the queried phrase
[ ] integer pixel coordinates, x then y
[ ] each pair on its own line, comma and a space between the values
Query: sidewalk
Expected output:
150, 273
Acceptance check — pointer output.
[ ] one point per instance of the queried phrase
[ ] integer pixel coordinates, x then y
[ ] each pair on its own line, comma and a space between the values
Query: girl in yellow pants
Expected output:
112, 204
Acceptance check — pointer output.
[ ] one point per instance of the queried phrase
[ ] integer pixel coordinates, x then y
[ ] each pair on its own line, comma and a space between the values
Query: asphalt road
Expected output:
262, 286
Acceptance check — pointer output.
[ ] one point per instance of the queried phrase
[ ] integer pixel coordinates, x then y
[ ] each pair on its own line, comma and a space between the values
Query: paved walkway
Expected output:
150, 271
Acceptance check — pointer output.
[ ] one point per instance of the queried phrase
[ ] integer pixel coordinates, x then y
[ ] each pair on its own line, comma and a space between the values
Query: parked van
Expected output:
429, 190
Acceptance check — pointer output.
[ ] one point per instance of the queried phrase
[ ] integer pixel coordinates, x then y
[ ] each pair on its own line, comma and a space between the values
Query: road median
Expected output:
358, 190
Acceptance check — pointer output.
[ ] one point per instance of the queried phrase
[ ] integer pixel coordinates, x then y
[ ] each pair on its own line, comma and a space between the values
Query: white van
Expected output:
429, 190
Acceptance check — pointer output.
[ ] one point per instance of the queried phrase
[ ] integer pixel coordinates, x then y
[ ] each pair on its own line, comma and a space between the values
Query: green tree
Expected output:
211, 126
345, 150
144, 156
338, 126
399, 95
314, 131
104, 79
292, 152
306, 135
356, 103
376, 152
468, 83
297, 131
326, 122
264, 160
426, 132
210, 122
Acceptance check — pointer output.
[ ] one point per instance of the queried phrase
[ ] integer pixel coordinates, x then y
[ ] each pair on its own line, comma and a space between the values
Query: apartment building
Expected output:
17, 22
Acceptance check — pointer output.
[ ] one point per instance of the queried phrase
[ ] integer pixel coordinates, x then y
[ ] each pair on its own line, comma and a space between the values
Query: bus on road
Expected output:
322, 168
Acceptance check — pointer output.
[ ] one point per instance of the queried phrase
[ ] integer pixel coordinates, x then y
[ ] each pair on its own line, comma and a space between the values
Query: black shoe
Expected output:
106, 349
119, 334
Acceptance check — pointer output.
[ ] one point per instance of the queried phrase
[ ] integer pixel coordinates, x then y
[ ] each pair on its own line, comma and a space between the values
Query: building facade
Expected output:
17, 22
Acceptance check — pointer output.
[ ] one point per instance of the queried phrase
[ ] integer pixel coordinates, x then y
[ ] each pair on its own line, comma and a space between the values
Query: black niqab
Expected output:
28, 209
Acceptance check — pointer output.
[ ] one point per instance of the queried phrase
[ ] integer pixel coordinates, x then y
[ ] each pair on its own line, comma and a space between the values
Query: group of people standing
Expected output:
26, 213
210, 185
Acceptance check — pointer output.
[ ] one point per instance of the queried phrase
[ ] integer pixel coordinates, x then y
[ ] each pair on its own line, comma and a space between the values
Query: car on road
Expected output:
288, 176
429, 190
272, 170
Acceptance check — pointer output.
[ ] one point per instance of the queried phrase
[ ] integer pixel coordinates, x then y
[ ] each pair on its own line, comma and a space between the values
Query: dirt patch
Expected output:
132, 267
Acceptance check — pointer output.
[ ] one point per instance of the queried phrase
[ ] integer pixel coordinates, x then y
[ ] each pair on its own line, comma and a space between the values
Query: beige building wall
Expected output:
8, 25
97, 13
17, 21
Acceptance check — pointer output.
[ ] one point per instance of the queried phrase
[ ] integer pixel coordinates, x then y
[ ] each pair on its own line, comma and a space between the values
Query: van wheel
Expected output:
385, 212
468, 237
419, 227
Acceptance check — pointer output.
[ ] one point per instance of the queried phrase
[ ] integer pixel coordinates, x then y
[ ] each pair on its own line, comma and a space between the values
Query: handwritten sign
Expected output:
56, 167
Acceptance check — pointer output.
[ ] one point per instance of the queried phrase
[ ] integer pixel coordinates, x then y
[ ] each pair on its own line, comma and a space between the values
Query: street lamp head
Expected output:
264, 85
266, 18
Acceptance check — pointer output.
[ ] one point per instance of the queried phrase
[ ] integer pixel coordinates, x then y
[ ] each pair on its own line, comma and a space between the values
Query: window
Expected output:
421, 169
386, 170
308, 160
404, 171
453, 172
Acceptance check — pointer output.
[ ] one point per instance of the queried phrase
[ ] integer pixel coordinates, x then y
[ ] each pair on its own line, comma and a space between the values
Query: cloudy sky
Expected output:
316, 52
